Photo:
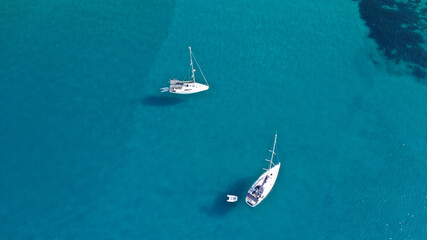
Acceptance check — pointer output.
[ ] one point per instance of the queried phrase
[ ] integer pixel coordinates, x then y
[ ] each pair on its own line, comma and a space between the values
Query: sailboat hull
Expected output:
181, 87
262, 186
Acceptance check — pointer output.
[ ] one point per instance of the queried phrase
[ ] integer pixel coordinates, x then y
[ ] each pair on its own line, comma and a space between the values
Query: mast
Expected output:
272, 151
191, 64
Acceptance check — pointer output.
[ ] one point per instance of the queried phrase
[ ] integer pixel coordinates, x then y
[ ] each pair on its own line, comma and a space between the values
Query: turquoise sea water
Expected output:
91, 150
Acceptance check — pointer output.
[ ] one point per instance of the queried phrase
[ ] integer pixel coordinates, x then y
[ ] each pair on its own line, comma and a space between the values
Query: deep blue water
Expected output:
91, 150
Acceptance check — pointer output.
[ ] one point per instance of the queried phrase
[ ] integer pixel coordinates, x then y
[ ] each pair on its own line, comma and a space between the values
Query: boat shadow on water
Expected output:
220, 206
160, 101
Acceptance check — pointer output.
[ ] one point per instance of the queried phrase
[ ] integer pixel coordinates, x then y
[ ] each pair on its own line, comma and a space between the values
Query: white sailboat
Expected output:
190, 86
263, 185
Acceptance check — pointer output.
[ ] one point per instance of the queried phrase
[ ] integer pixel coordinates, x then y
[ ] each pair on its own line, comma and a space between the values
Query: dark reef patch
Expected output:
399, 29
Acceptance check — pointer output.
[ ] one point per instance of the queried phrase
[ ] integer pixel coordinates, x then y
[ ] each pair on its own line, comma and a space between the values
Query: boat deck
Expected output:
252, 197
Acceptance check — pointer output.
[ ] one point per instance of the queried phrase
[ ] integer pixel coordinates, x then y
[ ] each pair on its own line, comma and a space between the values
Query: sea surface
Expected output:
90, 149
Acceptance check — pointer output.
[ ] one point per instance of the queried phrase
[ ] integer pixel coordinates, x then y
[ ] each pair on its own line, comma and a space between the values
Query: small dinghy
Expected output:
165, 89
232, 198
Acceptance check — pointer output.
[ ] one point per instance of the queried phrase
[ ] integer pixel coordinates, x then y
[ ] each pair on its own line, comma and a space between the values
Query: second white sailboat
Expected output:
263, 185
